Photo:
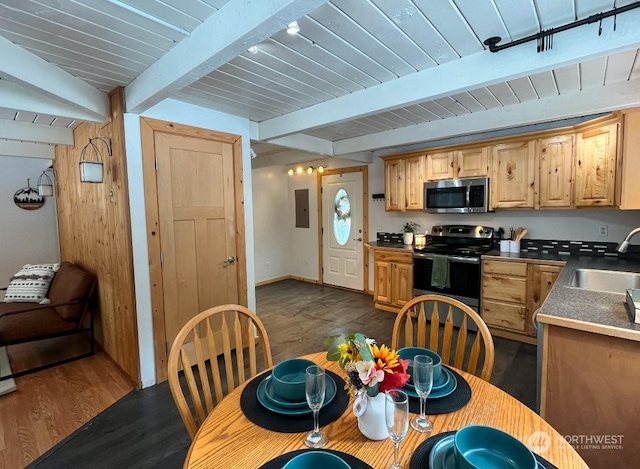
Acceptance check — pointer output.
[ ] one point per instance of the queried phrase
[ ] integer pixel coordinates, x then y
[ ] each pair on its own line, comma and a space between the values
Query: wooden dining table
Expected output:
228, 439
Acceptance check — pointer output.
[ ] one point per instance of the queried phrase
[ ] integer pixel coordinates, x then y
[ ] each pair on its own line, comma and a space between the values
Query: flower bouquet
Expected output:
370, 369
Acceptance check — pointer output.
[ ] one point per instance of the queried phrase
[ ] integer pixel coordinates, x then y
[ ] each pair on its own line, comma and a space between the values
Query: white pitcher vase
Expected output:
408, 237
370, 413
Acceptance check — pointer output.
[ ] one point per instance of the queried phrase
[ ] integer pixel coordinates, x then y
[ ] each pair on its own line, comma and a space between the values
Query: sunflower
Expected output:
385, 358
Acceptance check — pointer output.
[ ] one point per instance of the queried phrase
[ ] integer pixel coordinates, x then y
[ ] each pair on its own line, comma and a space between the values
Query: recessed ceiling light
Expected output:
253, 49
293, 28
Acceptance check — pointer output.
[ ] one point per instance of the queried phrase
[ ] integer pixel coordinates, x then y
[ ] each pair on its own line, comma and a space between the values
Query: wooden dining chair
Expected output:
415, 328
228, 333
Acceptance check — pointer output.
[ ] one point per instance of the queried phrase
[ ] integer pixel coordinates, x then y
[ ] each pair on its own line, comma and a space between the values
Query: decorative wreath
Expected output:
342, 208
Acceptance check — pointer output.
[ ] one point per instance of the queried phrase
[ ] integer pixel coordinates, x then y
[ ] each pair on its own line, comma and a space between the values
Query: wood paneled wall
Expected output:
95, 233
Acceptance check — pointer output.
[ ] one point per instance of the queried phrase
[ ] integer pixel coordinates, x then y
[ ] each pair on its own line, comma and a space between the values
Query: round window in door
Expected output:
341, 217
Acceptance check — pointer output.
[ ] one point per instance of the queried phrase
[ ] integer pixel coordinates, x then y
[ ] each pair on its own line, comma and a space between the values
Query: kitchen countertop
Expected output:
543, 257
389, 246
586, 310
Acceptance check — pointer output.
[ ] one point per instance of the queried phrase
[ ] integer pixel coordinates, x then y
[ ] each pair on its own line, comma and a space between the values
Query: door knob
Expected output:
359, 239
230, 260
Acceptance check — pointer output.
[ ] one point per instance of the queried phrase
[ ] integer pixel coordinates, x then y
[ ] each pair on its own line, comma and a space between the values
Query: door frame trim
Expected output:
365, 220
148, 129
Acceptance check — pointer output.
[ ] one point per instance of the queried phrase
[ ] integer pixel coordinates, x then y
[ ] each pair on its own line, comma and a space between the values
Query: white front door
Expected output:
342, 238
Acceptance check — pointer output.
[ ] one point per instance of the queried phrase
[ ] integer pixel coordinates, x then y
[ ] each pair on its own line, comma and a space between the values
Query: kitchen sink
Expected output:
611, 281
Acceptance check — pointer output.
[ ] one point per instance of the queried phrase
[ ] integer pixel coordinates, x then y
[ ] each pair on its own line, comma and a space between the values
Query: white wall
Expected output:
26, 236
175, 111
272, 222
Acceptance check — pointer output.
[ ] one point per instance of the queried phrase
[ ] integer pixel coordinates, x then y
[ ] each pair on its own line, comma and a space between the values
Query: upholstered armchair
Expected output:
68, 313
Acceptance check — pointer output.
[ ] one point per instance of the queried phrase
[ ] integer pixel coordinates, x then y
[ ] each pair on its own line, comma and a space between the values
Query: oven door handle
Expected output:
460, 259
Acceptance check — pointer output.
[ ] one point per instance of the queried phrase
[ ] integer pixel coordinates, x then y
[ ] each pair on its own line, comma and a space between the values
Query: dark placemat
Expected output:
420, 457
254, 411
280, 461
454, 401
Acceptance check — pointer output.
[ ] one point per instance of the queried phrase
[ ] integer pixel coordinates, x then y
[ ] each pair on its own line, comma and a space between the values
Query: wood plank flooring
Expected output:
143, 429
50, 405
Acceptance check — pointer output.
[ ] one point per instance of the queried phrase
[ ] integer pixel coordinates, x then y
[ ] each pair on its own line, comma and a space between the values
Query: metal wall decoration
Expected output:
92, 170
28, 198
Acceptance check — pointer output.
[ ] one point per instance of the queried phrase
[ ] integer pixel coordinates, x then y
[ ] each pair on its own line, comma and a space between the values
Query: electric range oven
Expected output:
462, 246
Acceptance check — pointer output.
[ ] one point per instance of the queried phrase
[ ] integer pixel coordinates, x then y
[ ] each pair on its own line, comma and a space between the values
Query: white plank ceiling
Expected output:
360, 76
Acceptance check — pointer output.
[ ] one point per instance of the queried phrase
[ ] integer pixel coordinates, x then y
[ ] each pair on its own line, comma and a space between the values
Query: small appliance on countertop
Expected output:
633, 304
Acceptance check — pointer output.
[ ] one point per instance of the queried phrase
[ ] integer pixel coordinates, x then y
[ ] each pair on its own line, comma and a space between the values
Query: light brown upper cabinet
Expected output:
513, 175
414, 178
440, 166
630, 189
472, 162
394, 183
555, 156
404, 183
596, 166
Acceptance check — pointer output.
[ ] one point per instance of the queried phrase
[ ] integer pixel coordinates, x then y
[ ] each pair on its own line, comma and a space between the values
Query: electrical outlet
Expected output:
604, 230
378, 227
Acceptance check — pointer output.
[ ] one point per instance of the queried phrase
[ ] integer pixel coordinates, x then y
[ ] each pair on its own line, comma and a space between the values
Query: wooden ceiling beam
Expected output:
228, 33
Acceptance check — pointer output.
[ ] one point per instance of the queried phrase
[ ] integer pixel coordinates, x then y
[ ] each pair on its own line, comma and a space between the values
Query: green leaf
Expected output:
333, 354
364, 350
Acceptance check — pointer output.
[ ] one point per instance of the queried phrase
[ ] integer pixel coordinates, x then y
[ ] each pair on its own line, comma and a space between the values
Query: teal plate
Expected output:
330, 393
451, 386
267, 384
442, 455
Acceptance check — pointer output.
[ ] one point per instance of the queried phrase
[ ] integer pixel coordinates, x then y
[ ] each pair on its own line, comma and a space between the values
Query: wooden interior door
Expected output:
197, 227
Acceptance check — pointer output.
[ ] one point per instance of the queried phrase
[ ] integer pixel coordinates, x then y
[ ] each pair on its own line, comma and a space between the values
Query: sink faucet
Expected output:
622, 247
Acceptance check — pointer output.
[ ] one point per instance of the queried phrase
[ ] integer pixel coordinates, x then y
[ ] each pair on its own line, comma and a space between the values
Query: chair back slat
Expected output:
201, 366
226, 351
239, 345
461, 343
250, 333
435, 319
421, 333
227, 333
474, 356
471, 347
212, 351
447, 335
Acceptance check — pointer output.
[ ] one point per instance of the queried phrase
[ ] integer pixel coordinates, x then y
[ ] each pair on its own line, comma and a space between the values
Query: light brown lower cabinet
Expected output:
392, 279
589, 393
511, 292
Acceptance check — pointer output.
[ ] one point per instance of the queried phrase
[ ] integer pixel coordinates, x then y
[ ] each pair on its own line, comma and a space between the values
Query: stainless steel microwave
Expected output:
469, 195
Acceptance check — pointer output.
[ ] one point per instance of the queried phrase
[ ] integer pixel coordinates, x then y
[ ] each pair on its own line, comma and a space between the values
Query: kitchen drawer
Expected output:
504, 288
504, 315
388, 256
505, 268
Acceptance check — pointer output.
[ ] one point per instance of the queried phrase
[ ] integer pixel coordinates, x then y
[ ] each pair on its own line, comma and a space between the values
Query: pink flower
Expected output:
368, 373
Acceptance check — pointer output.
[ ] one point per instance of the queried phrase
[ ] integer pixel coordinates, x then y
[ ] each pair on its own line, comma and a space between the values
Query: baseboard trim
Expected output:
287, 277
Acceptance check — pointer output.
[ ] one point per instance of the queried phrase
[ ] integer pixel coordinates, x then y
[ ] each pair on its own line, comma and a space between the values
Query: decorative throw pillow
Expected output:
31, 284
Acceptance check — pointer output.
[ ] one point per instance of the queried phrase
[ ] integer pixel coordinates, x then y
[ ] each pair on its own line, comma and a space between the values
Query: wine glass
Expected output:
314, 390
422, 382
396, 413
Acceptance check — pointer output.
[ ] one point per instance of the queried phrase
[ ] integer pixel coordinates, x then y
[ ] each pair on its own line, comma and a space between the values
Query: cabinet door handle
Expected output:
230, 260
356, 239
